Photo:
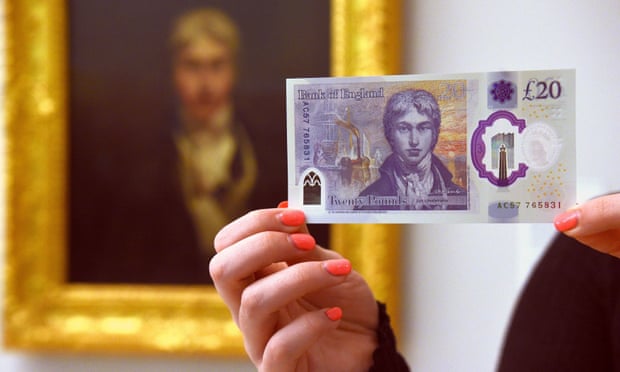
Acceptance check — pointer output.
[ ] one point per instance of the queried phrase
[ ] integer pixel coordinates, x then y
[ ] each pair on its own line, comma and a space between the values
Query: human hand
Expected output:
595, 223
299, 306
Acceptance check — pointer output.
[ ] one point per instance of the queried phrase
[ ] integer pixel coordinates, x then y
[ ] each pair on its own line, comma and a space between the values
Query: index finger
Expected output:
277, 219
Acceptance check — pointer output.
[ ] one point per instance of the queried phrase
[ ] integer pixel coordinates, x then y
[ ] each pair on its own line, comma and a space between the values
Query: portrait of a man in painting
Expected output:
177, 127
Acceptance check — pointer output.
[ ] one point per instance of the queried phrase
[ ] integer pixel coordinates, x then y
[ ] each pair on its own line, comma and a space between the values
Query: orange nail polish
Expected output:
303, 241
283, 204
566, 221
292, 217
335, 313
338, 267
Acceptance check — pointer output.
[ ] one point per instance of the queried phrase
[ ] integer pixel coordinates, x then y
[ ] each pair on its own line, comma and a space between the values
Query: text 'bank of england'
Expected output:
481, 147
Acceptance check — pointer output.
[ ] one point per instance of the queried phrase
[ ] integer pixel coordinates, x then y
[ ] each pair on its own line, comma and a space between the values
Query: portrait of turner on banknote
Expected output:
412, 176
412, 148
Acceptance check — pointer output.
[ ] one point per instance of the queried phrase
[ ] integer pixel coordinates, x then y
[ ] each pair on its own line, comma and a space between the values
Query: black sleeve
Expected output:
568, 315
386, 357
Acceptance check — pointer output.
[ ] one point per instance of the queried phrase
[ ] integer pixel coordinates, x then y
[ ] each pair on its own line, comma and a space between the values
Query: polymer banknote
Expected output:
476, 147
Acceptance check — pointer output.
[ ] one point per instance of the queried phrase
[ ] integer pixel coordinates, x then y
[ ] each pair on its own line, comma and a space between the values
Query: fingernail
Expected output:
338, 267
303, 241
566, 221
283, 204
335, 313
292, 217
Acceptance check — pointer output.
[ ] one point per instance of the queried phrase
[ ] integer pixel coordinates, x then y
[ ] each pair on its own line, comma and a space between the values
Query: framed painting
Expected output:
81, 88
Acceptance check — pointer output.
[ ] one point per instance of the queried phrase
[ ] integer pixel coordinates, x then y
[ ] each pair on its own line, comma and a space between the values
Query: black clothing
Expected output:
568, 316
128, 219
386, 358
455, 197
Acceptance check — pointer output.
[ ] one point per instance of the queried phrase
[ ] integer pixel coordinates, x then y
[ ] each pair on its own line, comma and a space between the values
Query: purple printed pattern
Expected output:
478, 148
502, 91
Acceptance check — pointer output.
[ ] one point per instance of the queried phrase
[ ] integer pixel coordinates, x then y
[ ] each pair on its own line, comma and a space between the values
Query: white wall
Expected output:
462, 284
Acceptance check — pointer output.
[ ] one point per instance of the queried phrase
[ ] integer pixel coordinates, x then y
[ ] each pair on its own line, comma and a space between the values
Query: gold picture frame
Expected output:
44, 312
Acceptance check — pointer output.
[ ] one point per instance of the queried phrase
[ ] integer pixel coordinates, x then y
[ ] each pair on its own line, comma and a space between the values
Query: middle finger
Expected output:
233, 269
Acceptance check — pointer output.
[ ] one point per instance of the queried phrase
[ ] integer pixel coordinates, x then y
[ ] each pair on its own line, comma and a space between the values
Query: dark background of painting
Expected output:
122, 225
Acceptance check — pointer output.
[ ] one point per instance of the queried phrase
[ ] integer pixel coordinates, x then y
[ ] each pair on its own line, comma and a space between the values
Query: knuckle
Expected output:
223, 239
264, 239
279, 350
218, 241
251, 302
301, 274
217, 269
275, 353
224, 270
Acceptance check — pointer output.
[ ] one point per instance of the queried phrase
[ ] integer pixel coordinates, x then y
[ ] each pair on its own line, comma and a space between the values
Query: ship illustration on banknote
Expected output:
481, 147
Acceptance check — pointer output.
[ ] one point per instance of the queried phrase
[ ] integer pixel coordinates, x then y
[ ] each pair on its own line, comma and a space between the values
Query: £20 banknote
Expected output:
479, 147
